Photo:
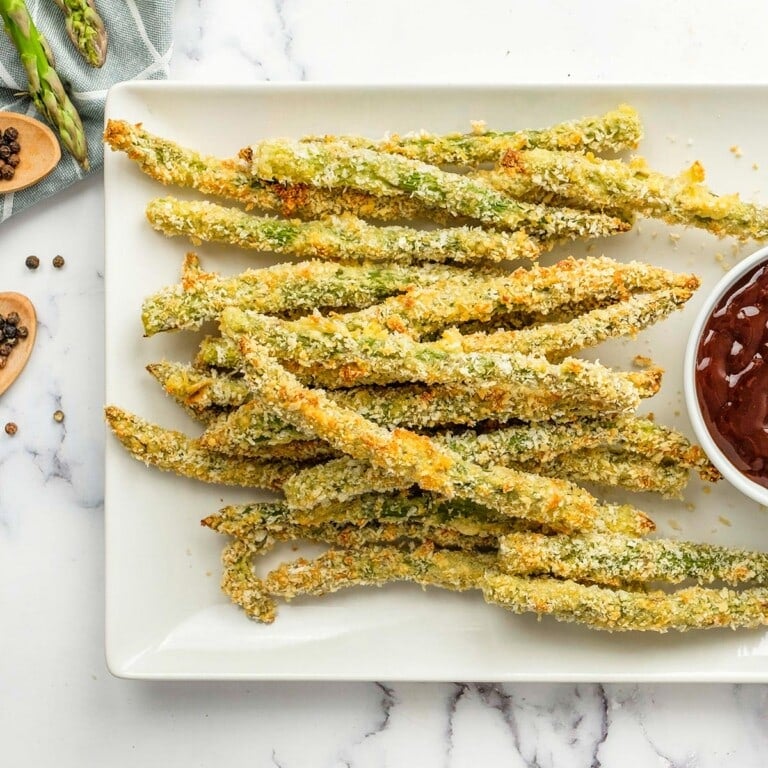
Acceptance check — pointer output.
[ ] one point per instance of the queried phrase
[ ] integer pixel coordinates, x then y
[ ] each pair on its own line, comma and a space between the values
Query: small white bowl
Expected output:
741, 482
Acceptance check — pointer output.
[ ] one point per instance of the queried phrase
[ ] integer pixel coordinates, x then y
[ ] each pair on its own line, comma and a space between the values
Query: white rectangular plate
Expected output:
166, 617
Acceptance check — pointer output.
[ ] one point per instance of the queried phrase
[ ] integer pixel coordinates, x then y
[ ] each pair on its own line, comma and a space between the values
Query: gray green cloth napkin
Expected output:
140, 39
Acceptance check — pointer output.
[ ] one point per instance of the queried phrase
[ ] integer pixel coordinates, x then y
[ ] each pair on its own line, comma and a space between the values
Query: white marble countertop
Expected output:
58, 703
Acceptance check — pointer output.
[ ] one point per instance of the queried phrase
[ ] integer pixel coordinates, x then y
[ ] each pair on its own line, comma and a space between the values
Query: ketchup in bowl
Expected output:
731, 374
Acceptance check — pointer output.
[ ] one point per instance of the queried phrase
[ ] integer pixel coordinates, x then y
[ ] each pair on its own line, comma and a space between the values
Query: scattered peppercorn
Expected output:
58, 262
58, 416
9, 153
32, 262
11, 428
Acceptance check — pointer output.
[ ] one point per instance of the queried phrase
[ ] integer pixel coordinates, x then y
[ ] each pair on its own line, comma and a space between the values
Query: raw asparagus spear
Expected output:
45, 86
85, 29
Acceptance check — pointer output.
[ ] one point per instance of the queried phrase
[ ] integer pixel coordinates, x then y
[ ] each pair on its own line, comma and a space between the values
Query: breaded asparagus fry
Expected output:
556, 341
613, 184
417, 406
169, 163
344, 237
200, 390
565, 289
339, 534
619, 470
619, 610
345, 478
174, 452
201, 295
554, 503
375, 566
614, 131
397, 358
546, 441
419, 508
644, 457
615, 560
240, 583
336, 165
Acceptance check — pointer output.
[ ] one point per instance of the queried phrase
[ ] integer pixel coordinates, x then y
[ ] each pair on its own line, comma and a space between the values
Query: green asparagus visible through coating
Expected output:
202, 296
344, 237
339, 166
621, 610
374, 566
614, 131
419, 459
174, 452
170, 163
611, 184
561, 291
615, 560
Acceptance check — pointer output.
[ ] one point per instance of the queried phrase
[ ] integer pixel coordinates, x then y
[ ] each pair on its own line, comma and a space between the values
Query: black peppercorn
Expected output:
10, 331
15, 147
14, 318
6, 172
32, 262
11, 428
10, 134
14, 160
22, 331
5, 349
5, 152
58, 262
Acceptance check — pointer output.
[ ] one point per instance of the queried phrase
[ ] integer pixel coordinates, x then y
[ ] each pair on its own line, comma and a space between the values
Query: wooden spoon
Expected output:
40, 151
16, 302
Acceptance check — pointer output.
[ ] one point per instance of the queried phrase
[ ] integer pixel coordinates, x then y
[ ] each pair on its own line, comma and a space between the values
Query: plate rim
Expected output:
124, 667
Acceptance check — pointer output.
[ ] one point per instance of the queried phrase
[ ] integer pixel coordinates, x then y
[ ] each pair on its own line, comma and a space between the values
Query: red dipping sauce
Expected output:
732, 375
